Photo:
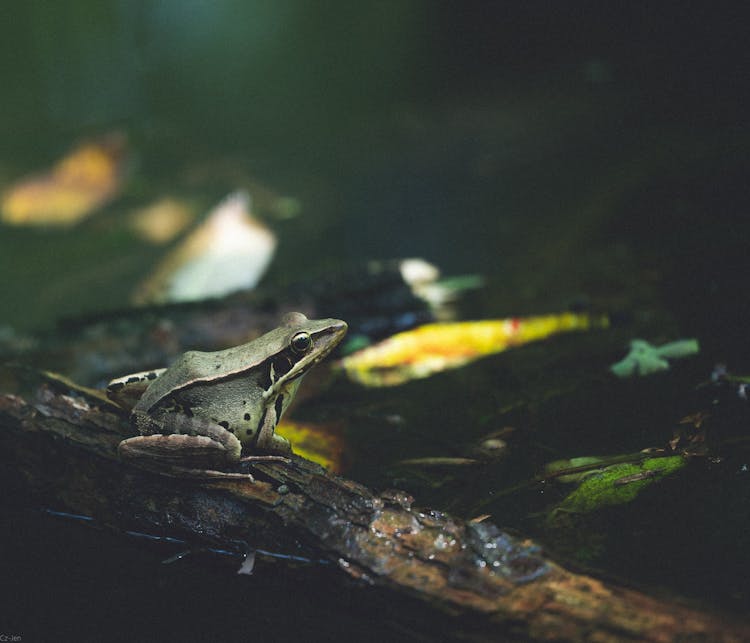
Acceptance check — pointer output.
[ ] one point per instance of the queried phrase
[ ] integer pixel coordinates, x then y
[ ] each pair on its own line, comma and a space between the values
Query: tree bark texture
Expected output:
59, 444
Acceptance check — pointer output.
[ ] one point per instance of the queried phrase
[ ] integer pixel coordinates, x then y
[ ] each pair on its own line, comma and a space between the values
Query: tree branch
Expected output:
60, 444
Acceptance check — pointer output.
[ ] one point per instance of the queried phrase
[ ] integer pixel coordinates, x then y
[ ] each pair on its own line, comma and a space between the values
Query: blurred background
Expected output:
523, 141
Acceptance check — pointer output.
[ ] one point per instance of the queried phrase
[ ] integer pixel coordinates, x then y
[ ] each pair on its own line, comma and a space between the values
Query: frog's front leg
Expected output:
267, 439
190, 442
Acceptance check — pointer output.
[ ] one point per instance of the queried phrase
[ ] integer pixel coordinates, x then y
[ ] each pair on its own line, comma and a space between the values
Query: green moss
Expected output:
618, 484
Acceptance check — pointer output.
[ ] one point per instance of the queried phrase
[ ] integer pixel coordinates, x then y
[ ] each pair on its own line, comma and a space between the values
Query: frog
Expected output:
208, 408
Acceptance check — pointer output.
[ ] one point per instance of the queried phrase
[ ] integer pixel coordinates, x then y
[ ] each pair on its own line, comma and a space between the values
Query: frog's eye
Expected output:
301, 342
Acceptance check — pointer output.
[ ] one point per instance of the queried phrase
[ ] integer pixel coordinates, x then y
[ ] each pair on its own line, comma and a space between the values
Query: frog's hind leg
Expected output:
127, 390
189, 443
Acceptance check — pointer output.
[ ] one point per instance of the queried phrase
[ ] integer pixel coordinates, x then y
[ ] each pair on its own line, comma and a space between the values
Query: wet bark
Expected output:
59, 443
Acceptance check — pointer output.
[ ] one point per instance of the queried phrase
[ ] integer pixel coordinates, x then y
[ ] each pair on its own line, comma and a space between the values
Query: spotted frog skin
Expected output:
207, 408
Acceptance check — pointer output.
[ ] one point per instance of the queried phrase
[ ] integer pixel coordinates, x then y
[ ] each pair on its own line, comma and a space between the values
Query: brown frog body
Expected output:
206, 408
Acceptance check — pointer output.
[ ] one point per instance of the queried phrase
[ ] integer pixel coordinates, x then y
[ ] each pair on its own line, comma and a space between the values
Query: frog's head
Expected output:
300, 344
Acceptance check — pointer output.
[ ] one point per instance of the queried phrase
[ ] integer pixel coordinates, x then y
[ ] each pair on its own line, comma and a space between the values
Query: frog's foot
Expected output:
183, 456
210, 474
265, 458
180, 451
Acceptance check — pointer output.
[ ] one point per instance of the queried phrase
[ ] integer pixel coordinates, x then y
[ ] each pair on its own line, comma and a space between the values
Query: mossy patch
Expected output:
618, 484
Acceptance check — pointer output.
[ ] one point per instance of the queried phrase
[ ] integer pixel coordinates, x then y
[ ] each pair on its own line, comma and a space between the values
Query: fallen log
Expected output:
59, 441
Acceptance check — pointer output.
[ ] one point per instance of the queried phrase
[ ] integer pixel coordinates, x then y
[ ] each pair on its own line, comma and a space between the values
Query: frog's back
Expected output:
190, 367
194, 367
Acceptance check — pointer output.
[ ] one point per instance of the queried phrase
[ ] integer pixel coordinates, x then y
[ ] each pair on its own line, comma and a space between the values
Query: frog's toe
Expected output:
190, 451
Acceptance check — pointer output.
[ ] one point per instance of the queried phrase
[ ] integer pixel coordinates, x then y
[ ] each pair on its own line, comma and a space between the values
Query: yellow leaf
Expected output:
432, 348
323, 444
76, 186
